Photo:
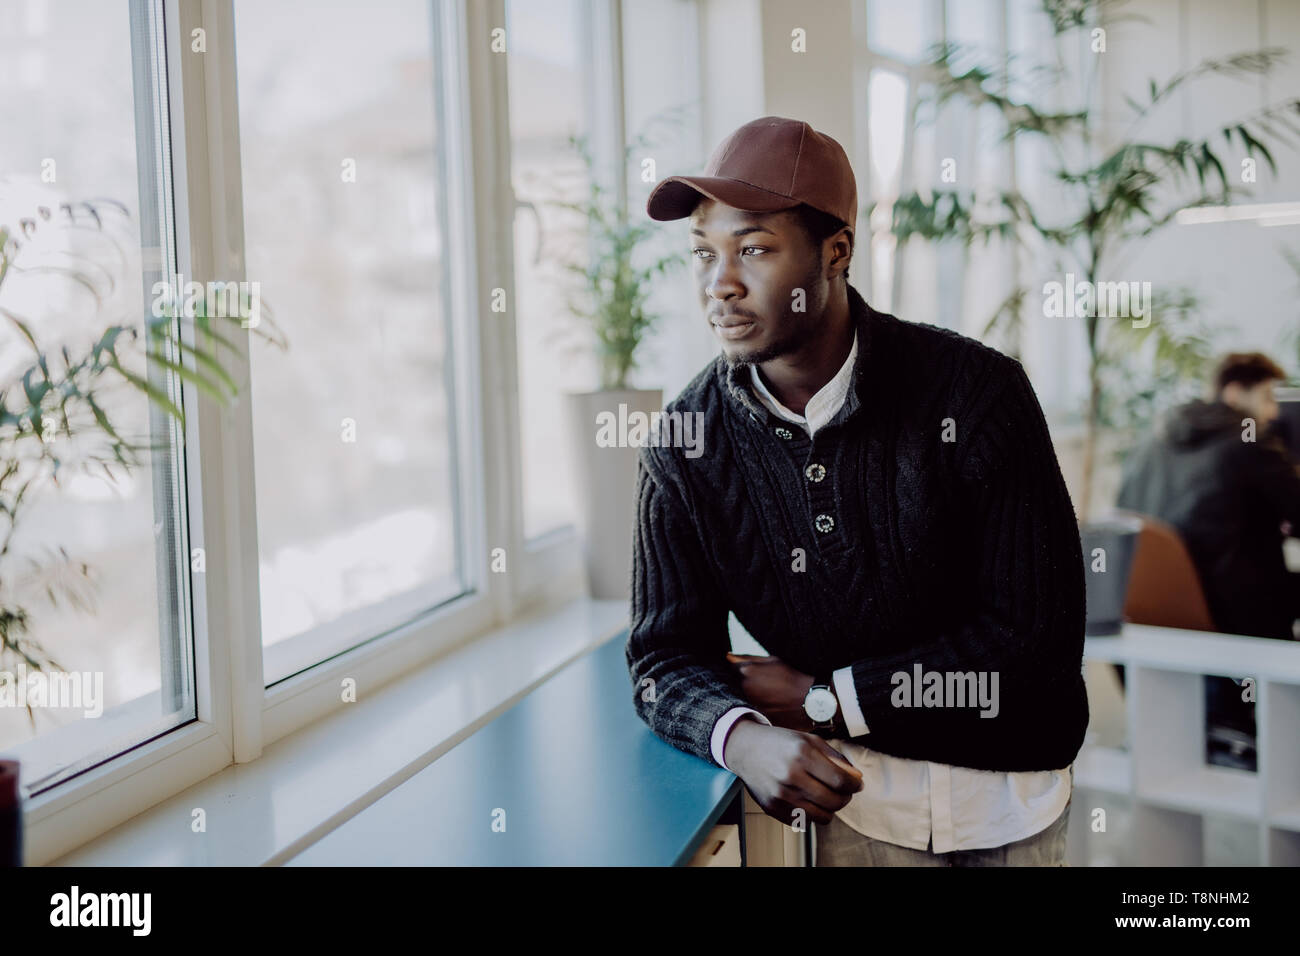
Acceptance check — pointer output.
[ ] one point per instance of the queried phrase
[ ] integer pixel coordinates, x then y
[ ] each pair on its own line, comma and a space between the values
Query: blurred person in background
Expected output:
1216, 470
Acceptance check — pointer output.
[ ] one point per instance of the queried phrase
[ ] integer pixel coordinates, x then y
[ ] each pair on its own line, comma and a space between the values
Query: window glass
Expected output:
343, 222
547, 105
97, 562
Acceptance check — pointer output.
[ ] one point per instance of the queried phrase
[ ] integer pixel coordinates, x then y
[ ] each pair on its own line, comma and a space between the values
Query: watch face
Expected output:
820, 705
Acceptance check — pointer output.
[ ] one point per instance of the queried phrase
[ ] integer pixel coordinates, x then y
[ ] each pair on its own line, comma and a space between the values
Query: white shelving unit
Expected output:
1159, 782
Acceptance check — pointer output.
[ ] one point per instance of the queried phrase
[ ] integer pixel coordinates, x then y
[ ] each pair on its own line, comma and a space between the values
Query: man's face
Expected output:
748, 267
1258, 401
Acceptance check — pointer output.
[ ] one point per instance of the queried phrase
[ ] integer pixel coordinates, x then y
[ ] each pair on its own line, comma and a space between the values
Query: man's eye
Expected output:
704, 253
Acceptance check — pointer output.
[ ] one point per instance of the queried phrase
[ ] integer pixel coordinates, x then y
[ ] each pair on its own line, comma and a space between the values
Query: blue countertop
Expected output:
581, 780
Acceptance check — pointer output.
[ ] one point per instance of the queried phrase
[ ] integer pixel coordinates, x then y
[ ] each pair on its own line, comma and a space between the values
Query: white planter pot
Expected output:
606, 483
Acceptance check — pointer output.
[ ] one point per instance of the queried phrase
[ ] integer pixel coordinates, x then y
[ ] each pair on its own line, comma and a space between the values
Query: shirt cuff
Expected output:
848, 697
718, 742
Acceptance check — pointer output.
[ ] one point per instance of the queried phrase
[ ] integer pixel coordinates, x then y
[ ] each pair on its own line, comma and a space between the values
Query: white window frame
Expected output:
237, 716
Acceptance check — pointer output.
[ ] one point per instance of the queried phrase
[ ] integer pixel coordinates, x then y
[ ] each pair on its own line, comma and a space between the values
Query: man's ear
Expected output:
843, 236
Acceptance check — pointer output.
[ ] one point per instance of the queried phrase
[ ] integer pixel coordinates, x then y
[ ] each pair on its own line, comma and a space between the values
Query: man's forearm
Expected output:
680, 699
678, 638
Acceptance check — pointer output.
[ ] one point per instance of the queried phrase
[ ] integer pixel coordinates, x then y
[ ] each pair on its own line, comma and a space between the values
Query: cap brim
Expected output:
676, 196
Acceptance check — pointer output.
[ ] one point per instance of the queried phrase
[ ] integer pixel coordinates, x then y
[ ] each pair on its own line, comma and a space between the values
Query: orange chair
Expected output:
1164, 589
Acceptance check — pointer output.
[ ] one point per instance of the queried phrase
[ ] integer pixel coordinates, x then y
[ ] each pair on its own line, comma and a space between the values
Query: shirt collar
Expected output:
821, 408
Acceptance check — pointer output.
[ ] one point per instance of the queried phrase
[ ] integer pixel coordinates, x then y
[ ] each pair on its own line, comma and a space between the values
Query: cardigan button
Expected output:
785, 433
824, 523
815, 472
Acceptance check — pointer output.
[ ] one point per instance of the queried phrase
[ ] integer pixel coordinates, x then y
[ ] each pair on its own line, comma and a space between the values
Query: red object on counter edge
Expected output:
8, 784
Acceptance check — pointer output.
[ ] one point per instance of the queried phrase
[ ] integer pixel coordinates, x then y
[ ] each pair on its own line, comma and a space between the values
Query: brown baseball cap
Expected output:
768, 164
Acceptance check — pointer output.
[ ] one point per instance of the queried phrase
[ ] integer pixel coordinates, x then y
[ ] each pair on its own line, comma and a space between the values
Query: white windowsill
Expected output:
306, 784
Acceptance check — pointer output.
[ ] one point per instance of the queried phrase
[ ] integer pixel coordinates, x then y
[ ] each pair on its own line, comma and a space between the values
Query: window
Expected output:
548, 104
662, 103
333, 159
85, 117
887, 120
902, 30
353, 425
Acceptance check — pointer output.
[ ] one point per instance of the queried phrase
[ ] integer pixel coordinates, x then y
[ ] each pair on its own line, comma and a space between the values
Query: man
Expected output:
1217, 473
879, 503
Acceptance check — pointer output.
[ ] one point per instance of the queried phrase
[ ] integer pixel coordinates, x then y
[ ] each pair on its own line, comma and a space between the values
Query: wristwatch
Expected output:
821, 704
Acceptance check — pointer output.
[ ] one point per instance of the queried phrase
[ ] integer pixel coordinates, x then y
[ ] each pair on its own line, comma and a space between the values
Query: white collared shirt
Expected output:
912, 802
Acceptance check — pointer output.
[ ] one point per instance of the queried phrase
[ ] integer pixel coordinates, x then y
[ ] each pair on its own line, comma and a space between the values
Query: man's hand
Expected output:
775, 688
785, 770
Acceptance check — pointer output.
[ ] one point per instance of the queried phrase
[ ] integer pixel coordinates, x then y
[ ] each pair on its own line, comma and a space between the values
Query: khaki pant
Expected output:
837, 844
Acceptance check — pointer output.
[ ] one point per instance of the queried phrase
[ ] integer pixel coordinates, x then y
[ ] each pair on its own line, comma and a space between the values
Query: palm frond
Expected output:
1237, 65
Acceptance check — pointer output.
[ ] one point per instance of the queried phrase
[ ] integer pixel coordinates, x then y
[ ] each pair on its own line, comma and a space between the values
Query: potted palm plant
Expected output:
614, 282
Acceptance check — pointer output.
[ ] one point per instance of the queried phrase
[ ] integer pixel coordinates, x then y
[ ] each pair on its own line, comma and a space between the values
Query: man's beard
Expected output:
795, 339
804, 329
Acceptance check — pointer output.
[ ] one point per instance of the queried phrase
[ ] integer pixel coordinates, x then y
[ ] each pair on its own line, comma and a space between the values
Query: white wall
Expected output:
1236, 266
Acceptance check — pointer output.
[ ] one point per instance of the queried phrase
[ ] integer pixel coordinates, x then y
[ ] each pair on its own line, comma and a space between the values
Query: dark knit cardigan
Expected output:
952, 543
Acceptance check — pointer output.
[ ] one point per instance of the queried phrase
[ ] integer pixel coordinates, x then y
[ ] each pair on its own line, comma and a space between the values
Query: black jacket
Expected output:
1227, 498
926, 525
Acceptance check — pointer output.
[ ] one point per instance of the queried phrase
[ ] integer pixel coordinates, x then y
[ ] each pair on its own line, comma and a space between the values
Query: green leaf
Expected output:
207, 361
151, 390
102, 418
187, 374
23, 328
